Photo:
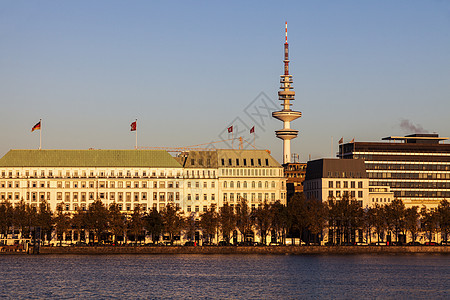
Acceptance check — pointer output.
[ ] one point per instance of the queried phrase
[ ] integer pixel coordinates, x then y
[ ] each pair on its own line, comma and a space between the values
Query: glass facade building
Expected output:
416, 167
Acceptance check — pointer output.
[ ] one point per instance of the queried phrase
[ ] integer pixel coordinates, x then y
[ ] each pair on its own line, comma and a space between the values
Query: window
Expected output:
273, 196
128, 196
360, 194
205, 184
189, 184
224, 184
213, 197
205, 208
205, 197
197, 208
360, 184
330, 185
225, 197
338, 184
197, 197
330, 194
189, 197
213, 184
188, 208
352, 184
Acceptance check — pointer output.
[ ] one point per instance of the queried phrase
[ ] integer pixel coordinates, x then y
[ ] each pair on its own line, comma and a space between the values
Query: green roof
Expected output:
89, 158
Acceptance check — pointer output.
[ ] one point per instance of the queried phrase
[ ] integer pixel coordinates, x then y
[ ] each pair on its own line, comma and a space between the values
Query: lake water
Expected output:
225, 276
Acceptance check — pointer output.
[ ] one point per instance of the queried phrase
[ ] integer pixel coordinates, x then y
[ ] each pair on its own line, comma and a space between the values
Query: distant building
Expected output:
295, 175
332, 179
415, 167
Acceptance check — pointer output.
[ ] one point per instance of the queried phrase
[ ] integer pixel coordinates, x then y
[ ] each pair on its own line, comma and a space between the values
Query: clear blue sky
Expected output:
187, 69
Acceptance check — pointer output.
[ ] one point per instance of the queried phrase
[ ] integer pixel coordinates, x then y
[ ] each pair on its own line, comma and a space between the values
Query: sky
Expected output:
187, 70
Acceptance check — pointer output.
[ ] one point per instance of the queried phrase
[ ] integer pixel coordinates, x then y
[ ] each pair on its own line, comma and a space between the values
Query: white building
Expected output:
194, 181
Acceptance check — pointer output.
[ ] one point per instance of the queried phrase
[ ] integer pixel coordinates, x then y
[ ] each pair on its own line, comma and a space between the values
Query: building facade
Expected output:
194, 181
416, 167
332, 179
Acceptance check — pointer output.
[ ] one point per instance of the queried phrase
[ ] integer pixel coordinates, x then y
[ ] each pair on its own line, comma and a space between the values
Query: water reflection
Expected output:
225, 276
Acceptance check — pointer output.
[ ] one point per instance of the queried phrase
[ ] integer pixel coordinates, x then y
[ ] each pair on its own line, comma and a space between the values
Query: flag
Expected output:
36, 127
341, 141
133, 126
230, 129
252, 130
353, 140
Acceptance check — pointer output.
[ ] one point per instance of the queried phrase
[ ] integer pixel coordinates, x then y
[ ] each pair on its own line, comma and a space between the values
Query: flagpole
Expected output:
254, 139
136, 135
40, 135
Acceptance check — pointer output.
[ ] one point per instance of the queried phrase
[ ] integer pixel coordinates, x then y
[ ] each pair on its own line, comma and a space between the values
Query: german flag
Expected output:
36, 127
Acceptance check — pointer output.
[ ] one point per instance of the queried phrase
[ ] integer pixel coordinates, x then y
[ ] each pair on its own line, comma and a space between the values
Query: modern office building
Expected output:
194, 181
415, 167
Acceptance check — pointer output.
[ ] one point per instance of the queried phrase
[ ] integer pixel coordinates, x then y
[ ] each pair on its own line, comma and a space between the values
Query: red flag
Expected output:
230, 129
252, 130
36, 127
133, 126
341, 141
353, 140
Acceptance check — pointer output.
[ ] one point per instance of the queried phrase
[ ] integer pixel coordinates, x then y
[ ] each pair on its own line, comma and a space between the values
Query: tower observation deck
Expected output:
286, 115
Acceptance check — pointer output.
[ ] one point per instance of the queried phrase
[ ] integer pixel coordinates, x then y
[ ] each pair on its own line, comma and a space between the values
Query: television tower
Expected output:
286, 94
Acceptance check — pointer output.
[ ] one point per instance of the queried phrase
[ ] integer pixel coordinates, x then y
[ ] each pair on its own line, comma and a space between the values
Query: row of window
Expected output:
95, 184
197, 197
253, 184
83, 197
410, 166
196, 184
251, 172
426, 176
338, 194
237, 162
345, 184
254, 197
88, 174
122, 207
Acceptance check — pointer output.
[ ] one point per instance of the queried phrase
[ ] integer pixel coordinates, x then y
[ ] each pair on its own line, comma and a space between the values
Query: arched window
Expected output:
266, 184
238, 184
273, 184
245, 184
224, 184
259, 184
253, 185
231, 184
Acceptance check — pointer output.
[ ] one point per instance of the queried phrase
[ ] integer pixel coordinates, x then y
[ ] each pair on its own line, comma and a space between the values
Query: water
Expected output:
225, 276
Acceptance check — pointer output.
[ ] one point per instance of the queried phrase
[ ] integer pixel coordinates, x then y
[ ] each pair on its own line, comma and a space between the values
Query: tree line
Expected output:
345, 222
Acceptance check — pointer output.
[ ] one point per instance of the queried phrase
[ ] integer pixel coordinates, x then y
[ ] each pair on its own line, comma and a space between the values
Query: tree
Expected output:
412, 221
45, 220
190, 226
153, 223
62, 222
6, 217
395, 216
209, 222
243, 219
97, 219
117, 221
297, 214
316, 217
172, 220
429, 221
263, 222
444, 218
136, 223
280, 221
227, 221
379, 221
20, 216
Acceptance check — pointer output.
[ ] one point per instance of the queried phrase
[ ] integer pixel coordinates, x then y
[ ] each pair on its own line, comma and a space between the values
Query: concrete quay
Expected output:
262, 250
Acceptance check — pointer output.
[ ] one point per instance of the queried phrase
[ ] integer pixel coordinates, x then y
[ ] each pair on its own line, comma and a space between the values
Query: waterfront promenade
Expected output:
263, 250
